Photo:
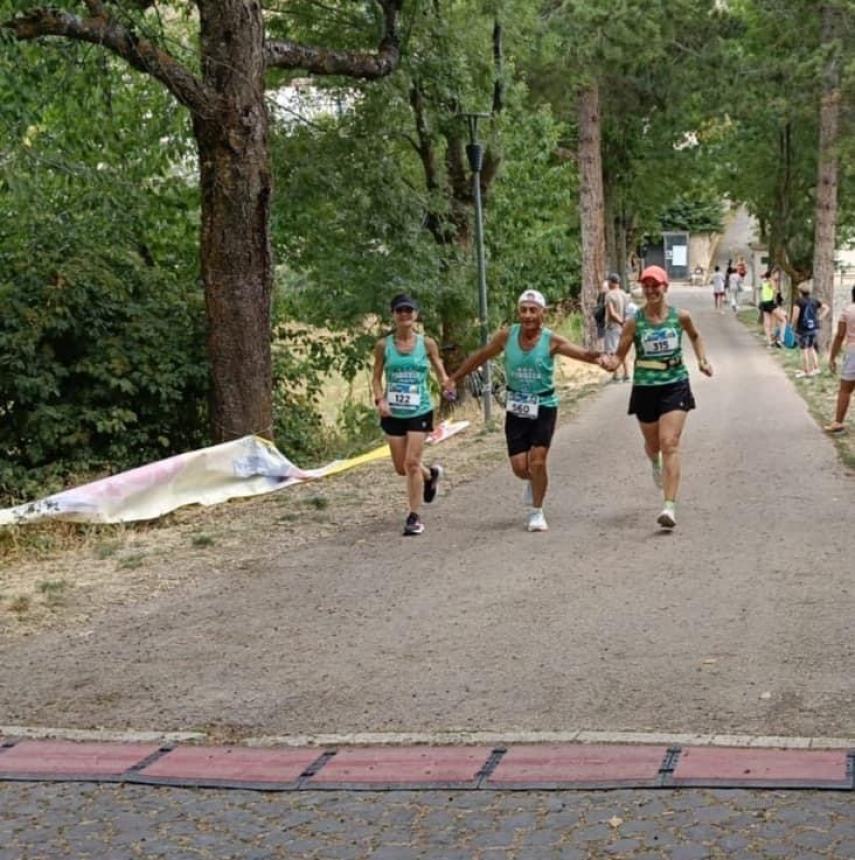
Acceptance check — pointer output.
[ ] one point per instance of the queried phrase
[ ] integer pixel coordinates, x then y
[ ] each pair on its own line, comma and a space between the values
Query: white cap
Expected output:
533, 296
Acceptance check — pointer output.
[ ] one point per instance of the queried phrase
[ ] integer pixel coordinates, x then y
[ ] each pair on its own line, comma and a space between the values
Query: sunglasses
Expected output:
405, 309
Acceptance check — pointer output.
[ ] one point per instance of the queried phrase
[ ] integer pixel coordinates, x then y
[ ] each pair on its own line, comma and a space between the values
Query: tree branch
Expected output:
354, 64
138, 53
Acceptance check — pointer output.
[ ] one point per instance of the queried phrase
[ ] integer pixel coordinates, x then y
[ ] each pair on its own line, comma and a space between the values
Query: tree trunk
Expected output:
236, 259
826, 182
591, 205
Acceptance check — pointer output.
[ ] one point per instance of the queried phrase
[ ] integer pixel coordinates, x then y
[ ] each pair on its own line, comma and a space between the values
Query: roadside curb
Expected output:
511, 767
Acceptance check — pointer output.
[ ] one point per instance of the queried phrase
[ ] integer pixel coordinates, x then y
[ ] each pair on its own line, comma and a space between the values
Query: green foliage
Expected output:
102, 362
696, 215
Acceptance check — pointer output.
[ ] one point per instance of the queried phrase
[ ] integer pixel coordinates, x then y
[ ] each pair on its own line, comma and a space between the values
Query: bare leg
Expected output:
416, 472
519, 466
398, 450
650, 432
767, 327
537, 470
844, 394
670, 429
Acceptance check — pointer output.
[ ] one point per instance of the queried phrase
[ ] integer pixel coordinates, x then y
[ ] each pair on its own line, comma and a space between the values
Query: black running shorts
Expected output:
401, 426
649, 402
523, 434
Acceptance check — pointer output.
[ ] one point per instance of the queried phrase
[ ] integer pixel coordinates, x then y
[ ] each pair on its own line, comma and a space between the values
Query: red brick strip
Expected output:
520, 767
552, 766
762, 768
229, 767
377, 768
70, 762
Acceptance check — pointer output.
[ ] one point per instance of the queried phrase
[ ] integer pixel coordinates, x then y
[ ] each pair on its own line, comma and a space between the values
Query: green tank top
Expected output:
532, 371
767, 293
406, 379
659, 342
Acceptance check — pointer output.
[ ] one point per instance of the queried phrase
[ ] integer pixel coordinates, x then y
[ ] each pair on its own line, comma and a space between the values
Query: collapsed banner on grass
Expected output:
250, 466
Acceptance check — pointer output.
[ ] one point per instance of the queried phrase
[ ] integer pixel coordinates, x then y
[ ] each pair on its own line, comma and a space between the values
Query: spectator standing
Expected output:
718, 289
615, 304
734, 286
808, 314
845, 333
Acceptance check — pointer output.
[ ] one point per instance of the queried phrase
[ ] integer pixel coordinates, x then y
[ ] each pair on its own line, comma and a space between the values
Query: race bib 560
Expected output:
523, 405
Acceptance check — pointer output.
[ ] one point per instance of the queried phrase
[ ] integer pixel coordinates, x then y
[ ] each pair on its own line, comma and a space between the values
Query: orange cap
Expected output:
654, 273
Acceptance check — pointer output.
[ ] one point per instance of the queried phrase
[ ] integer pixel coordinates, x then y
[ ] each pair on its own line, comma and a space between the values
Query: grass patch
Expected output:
202, 540
818, 392
53, 591
20, 605
131, 562
107, 549
319, 503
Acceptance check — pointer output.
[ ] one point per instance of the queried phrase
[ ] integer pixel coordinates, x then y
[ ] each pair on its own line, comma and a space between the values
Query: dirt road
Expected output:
739, 621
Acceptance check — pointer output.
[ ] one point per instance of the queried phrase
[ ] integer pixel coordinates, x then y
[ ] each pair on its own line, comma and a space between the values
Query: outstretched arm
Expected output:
561, 346
436, 362
627, 335
688, 325
490, 350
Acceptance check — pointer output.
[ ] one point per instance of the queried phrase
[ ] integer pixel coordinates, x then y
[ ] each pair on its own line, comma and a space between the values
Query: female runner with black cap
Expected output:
402, 398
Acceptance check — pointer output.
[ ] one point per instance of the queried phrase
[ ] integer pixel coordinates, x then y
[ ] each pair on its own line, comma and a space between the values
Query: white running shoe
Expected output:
537, 521
800, 374
667, 519
528, 496
656, 470
816, 372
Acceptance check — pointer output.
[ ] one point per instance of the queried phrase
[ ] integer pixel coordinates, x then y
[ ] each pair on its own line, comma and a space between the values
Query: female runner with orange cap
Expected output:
661, 395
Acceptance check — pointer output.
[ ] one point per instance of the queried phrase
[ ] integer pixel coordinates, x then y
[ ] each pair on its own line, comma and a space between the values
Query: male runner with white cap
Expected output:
532, 407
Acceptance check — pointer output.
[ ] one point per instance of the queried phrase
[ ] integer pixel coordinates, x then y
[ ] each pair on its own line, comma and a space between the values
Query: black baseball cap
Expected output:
402, 300
614, 278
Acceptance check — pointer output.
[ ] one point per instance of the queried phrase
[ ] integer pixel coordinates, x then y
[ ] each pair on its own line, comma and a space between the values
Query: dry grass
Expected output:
109, 565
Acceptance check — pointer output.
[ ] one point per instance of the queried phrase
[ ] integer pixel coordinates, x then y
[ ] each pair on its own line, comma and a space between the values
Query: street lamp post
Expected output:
475, 154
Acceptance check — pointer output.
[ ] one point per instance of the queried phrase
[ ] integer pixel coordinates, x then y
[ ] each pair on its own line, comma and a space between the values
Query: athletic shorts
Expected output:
847, 372
649, 402
611, 340
523, 434
767, 307
401, 426
807, 340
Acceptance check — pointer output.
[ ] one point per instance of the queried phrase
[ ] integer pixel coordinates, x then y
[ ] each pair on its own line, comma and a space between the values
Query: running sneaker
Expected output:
429, 493
656, 470
537, 521
667, 519
800, 374
413, 526
816, 372
528, 495
835, 429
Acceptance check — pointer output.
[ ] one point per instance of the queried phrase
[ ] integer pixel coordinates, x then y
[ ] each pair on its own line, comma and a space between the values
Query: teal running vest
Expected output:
406, 379
660, 342
531, 372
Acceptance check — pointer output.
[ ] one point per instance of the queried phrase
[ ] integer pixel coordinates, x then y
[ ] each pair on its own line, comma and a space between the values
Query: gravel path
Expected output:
739, 621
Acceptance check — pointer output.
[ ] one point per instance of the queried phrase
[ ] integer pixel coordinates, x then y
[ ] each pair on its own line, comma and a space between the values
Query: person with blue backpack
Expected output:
808, 313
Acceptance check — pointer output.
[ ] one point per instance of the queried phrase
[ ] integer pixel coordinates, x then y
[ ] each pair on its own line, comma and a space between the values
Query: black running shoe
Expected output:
430, 485
413, 526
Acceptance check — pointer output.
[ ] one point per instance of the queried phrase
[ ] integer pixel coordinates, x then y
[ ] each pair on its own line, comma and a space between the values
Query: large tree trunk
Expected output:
236, 259
826, 182
591, 205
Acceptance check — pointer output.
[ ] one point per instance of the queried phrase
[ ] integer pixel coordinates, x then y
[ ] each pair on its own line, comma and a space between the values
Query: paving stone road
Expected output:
41, 821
